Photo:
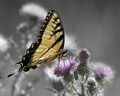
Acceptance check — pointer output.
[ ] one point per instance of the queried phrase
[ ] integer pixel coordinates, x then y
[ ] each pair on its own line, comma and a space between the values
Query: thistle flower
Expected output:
34, 10
56, 82
50, 74
64, 66
22, 27
4, 44
34, 14
92, 86
92, 81
102, 71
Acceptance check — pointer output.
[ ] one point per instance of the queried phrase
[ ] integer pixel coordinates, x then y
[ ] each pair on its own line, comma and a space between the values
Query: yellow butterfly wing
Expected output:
49, 45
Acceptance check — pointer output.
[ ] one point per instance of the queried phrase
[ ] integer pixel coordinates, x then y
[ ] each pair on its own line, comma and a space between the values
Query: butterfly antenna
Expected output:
14, 73
15, 64
72, 50
71, 44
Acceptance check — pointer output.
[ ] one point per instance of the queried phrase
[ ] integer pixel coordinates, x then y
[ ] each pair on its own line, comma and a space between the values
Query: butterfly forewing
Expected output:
47, 47
52, 32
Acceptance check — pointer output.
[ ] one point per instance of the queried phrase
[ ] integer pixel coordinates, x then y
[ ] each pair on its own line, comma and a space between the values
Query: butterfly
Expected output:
49, 45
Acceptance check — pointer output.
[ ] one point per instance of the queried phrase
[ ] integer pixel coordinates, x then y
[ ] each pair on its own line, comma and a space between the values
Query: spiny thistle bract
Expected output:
84, 66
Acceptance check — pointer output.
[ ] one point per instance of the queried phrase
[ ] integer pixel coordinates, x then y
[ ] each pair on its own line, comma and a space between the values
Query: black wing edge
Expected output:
46, 21
62, 46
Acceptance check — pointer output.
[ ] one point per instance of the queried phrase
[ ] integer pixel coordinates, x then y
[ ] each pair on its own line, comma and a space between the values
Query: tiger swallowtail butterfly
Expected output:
49, 45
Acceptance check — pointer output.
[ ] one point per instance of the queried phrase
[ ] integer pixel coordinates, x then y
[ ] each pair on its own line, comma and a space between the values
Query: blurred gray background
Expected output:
94, 23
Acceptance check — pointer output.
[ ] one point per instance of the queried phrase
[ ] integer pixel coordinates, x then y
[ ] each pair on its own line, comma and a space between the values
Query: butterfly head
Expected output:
62, 52
25, 68
65, 52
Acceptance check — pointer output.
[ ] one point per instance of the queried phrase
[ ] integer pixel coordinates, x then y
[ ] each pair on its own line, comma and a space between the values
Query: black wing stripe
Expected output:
47, 20
57, 41
32, 50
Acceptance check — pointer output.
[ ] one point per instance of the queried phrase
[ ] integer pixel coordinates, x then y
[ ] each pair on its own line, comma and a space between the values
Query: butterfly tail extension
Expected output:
20, 69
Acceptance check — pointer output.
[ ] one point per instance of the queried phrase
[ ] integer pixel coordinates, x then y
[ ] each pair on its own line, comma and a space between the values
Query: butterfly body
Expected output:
49, 45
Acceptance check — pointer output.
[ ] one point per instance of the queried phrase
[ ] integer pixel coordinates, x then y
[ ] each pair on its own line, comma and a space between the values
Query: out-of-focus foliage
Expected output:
20, 84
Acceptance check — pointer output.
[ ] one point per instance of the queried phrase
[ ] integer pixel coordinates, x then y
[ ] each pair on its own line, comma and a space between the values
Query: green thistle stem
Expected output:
73, 88
82, 86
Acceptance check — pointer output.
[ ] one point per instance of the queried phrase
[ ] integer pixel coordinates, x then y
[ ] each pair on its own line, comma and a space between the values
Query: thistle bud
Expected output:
84, 67
84, 54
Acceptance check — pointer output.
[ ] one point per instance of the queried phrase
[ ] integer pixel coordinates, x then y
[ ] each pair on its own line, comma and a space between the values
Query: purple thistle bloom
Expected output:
64, 66
103, 71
